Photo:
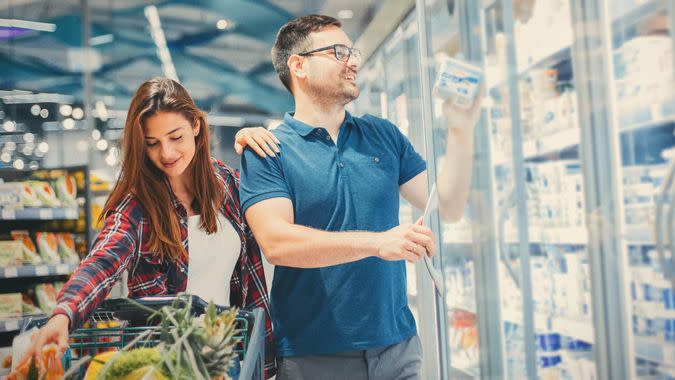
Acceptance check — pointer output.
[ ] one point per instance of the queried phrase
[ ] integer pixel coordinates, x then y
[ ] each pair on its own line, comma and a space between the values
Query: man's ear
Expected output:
296, 66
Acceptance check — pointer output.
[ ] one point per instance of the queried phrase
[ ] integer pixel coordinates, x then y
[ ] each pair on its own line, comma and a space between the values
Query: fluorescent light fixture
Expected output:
32, 25
68, 123
157, 34
101, 40
345, 14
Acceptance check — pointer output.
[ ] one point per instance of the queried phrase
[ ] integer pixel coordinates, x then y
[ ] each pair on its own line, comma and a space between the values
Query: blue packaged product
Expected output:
458, 80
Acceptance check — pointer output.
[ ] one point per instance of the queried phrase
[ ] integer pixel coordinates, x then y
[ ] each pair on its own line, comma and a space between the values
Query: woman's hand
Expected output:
262, 141
55, 331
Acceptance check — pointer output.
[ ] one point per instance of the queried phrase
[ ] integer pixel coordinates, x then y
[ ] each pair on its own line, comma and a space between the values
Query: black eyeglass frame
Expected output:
351, 51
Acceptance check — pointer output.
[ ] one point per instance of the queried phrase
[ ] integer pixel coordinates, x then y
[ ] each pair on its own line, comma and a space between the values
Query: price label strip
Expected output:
436, 276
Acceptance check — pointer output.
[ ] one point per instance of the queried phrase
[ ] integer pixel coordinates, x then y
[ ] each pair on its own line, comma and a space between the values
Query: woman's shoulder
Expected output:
130, 207
227, 172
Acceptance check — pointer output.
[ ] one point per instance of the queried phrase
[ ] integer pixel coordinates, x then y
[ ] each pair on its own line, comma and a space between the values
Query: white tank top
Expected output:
212, 260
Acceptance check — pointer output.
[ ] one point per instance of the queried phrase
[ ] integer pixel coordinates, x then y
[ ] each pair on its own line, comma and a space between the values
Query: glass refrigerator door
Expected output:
459, 321
539, 194
644, 96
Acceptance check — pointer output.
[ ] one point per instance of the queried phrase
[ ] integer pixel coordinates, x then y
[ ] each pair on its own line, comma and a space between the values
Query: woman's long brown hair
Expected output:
148, 184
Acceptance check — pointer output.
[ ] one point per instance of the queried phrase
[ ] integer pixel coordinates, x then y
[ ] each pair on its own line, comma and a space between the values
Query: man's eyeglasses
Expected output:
342, 52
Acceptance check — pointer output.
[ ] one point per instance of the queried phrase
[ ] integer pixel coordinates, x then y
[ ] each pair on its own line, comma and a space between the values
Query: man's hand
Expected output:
463, 118
262, 141
406, 242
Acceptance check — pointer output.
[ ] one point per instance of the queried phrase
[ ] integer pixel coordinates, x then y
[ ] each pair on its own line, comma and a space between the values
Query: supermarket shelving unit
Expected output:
71, 219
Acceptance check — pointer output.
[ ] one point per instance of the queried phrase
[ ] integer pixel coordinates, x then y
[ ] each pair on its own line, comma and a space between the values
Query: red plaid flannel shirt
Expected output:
123, 245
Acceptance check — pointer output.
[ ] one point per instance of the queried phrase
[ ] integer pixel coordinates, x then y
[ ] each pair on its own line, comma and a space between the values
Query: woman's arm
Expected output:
109, 257
91, 282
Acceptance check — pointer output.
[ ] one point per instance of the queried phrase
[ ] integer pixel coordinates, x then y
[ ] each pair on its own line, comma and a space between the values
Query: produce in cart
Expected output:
189, 348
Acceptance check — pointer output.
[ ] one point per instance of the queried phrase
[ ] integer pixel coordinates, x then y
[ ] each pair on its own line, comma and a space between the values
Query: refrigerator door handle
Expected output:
659, 225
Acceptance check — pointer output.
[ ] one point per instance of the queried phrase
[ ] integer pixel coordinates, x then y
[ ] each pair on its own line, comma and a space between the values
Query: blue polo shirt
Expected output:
351, 186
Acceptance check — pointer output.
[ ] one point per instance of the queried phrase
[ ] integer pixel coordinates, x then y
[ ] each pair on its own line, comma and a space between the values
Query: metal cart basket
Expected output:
117, 322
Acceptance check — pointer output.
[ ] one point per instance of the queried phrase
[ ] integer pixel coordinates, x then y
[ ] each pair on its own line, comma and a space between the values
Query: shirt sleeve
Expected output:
97, 273
411, 163
261, 178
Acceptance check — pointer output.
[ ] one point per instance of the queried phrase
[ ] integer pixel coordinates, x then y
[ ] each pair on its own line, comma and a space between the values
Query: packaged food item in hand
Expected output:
30, 254
457, 80
50, 364
48, 246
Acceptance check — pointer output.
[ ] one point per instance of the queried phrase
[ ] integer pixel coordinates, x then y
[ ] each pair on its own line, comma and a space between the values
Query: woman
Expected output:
171, 198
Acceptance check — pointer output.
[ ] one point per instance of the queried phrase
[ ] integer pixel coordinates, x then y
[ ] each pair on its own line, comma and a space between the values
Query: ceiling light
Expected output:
68, 123
44, 113
101, 111
6, 157
27, 151
35, 110
101, 40
10, 145
33, 165
66, 109
43, 147
29, 137
345, 14
102, 144
9, 126
222, 24
18, 164
78, 114
95, 134
111, 160
32, 25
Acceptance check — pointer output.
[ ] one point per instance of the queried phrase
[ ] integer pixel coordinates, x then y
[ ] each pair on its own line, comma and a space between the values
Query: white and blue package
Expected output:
459, 80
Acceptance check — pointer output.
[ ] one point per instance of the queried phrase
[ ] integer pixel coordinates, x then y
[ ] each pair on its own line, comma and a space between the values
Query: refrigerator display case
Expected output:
562, 265
643, 93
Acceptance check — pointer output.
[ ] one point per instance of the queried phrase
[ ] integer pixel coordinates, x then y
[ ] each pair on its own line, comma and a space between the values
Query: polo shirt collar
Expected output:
304, 129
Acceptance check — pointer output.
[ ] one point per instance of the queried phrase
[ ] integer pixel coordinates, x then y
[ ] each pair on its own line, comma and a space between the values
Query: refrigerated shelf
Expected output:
550, 235
631, 16
577, 329
654, 349
568, 138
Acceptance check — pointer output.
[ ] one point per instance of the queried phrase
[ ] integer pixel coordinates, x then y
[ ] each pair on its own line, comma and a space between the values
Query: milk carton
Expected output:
458, 80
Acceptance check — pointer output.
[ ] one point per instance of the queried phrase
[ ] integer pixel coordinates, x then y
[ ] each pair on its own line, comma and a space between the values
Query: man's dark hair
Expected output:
293, 38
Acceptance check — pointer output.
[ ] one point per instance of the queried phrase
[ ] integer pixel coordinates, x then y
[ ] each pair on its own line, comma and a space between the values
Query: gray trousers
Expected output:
396, 362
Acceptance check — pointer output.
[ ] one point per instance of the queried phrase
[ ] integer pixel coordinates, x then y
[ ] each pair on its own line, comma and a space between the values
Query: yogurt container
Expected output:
458, 80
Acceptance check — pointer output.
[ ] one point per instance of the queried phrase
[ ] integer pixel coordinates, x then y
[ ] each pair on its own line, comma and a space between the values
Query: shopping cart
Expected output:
117, 323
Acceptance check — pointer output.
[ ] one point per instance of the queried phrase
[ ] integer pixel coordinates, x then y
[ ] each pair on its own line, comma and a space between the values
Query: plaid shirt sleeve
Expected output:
248, 285
111, 254
257, 297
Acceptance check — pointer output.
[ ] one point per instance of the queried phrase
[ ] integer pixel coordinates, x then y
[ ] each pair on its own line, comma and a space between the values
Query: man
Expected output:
325, 212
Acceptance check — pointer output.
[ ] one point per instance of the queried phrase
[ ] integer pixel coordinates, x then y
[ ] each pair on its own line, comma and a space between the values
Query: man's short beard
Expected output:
342, 96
